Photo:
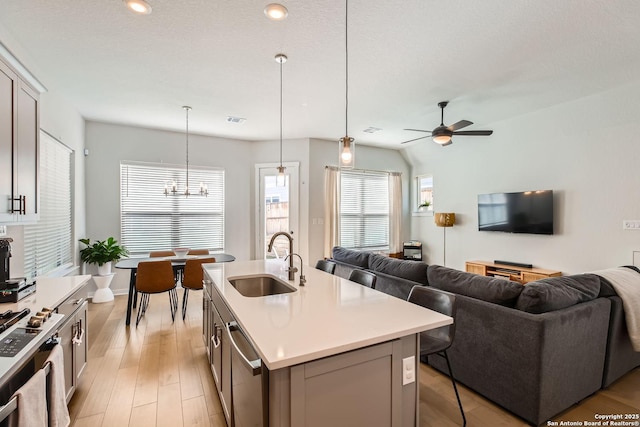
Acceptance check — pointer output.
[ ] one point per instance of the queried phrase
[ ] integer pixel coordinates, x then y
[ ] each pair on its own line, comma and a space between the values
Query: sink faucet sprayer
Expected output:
292, 270
302, 278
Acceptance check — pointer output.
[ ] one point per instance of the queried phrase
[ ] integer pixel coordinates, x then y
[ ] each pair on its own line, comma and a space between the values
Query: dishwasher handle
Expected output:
256, 364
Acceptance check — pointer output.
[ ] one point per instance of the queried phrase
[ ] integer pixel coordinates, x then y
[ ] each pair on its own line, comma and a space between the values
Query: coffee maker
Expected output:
5, 254
11, 290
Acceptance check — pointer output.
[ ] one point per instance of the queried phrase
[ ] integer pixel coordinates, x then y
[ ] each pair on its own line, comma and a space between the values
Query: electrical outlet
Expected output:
3, 230
408, 370
631, 224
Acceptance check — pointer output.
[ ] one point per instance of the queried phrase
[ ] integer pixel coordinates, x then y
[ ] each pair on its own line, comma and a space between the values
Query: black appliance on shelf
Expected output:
412, 250
11, 290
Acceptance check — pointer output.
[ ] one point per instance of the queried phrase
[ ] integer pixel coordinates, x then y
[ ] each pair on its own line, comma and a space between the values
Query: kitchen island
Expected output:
331, 352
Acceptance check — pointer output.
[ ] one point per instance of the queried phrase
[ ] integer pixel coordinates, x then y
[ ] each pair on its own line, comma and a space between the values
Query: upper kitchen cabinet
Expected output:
19, 152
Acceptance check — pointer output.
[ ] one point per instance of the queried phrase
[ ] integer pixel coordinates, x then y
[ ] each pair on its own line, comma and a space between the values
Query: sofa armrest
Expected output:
535, 365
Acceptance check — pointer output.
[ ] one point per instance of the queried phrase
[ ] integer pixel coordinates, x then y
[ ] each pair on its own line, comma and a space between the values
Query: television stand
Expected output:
517, 274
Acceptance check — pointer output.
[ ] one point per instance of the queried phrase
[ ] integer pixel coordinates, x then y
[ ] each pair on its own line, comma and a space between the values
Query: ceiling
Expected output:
493, 60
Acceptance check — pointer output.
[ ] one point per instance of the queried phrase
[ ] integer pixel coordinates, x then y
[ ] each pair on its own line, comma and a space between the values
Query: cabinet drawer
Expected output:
74, 302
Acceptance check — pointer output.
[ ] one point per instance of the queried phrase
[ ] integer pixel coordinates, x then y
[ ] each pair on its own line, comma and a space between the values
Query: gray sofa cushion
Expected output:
411, 270
497, 291
555, 293
350, 256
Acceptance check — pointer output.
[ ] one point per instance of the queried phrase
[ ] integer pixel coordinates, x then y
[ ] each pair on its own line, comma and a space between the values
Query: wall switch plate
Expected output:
631, 224
3, 230
408, 370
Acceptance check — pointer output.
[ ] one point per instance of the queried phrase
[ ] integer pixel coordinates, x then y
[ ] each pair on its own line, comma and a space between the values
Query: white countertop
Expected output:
327, 316
50, 293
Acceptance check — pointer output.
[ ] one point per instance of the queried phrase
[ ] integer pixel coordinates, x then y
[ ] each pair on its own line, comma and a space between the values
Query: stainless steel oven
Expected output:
250, 381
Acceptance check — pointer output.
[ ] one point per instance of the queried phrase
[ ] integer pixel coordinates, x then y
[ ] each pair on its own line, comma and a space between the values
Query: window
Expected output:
47, 244
424, 184
152, 221
364, 210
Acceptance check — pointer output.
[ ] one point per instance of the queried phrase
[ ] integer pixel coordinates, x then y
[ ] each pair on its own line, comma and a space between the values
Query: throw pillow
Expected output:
556, 293
411, 270
490, 289
350, 256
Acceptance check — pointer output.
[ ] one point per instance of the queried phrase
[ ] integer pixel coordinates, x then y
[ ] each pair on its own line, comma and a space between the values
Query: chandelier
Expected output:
172, 189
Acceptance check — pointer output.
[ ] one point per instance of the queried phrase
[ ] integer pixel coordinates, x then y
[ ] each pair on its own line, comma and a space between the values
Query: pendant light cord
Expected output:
346, 67
281, 113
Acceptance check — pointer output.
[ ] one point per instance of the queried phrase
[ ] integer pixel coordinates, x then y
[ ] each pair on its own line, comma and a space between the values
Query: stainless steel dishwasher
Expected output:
250, 381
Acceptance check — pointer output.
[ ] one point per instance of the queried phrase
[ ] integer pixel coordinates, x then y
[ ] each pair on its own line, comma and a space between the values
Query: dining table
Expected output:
177, 262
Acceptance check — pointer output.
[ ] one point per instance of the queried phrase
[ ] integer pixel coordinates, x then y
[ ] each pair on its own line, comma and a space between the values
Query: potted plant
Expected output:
424, 206
101, 253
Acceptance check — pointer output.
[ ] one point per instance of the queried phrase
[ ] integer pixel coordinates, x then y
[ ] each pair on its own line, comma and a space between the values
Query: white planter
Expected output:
104, 293
104, 269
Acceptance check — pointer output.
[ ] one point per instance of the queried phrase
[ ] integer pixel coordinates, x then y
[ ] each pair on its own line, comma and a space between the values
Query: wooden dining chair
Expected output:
192, 278
159, 254
198, 252
154, 277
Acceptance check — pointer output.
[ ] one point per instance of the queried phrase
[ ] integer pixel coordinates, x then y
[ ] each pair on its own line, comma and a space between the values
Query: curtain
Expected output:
331, 208
395, 212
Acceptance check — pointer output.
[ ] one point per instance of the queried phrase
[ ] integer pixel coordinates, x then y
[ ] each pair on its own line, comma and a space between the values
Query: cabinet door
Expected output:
81, 347
65, 333
27, 148
7, 133
532, 277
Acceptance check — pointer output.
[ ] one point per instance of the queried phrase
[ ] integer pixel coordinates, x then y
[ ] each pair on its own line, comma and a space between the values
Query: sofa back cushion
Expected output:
490, 289
411, 270
350, 256
556, 293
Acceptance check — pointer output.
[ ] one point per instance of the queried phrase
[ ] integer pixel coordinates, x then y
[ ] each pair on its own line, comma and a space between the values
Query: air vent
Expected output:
371, 130
239, 120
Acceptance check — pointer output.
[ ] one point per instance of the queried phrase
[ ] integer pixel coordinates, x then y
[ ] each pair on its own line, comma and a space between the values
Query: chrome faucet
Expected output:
302, 278
292, 270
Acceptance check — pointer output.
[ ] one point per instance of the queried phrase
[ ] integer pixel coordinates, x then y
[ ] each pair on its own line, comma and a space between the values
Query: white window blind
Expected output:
364, 210
47, 244
152, 221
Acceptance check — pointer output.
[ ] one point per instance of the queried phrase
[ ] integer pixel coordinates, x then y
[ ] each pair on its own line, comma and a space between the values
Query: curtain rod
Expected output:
365, 171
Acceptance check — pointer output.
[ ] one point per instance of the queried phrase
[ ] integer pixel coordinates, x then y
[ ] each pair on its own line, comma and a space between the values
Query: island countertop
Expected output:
326, 316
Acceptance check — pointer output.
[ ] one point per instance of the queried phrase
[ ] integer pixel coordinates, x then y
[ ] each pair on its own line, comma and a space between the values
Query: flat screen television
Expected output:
524, 212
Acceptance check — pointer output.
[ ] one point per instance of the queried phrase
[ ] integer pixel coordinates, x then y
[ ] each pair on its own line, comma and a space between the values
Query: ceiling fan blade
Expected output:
418, 130
411, 140
461, 124
474, 132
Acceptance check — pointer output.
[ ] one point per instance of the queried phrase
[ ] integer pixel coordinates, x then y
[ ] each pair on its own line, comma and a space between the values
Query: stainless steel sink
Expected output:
260, 286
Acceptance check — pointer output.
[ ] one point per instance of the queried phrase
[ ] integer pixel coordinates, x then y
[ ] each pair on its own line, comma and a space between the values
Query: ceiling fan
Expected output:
442, 134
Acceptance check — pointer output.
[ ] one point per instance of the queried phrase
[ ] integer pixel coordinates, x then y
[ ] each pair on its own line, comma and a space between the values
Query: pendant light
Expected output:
172, 189
346, 143
281, 179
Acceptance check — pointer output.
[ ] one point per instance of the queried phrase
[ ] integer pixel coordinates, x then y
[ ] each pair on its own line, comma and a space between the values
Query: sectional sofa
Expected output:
535, 350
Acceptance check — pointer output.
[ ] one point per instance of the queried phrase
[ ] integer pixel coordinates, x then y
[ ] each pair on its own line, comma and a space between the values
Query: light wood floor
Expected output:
157, 375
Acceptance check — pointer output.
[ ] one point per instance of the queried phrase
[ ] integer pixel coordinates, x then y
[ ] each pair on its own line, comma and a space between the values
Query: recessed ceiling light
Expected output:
138, 6
276, 12
232, 119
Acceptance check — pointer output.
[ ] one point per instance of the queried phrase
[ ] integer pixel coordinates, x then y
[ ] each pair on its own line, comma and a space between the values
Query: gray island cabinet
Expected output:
331, 352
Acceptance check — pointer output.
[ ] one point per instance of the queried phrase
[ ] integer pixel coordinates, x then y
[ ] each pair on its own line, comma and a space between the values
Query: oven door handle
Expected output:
254, 365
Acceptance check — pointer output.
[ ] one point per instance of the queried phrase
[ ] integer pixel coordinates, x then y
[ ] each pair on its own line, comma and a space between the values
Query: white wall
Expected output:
586, 151
108, 144
59, 118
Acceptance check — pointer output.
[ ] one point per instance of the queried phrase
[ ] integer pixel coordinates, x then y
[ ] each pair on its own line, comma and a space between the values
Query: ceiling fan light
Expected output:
276, 12
442, 139
138, 6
